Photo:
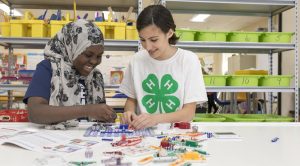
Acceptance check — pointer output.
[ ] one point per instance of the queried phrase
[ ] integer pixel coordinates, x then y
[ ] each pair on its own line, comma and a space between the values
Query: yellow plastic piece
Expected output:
191, 156
74, 10
131, 33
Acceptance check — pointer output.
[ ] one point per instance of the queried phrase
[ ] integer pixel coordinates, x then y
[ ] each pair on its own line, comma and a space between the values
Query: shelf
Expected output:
39, 43
21, 87
248, 89
232, 7
235, 47
208, 89
132, 45
117, 5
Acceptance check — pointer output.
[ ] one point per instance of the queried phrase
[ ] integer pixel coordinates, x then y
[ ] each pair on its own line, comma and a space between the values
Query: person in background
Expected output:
211, 98
163, 83
66, 84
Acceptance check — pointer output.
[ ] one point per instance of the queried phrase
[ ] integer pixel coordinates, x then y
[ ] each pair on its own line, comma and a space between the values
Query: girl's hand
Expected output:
127, 117
101, 112
144, 121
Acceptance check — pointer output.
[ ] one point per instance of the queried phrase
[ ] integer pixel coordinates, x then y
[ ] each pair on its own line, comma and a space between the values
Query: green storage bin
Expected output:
243, 117
275, 80
243, 80
185, 34
208, 118
211, 36
276, 37
244, 36
278, 118
215, 80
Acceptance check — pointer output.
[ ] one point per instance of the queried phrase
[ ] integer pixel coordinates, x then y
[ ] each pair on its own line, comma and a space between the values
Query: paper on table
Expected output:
48, 142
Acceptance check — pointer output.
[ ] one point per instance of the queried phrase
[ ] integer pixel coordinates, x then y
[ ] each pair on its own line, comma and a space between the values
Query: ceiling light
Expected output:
6, 9
200, 18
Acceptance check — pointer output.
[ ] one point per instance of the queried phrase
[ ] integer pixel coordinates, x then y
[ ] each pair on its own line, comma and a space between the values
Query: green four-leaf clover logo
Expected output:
160, 95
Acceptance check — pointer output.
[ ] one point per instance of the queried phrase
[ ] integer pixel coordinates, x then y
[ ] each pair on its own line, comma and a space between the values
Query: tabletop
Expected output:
255, 148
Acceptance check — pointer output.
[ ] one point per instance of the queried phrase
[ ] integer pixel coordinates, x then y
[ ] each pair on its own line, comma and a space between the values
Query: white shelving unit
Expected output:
267, 8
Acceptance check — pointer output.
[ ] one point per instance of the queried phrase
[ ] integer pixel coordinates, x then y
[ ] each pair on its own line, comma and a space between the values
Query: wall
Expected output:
288, 61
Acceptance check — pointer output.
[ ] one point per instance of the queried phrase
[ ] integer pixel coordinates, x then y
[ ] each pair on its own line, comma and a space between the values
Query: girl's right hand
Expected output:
128, 117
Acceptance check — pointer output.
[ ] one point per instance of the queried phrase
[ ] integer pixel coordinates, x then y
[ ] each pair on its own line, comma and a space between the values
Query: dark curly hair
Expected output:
161, 17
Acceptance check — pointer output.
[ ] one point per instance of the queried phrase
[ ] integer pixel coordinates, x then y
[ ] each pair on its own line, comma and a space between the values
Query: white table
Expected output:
255, 149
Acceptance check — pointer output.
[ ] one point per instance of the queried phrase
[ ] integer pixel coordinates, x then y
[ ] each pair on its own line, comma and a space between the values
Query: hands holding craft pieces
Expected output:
66, 84
163, 83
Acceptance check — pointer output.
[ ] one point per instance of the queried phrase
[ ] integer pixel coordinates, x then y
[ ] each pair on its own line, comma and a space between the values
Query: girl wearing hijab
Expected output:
66, 84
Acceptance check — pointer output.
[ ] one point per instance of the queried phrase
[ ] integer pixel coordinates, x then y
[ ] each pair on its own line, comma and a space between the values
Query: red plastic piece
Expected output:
183, 125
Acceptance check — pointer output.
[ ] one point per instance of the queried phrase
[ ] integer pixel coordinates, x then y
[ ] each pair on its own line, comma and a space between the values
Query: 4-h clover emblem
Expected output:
160, 95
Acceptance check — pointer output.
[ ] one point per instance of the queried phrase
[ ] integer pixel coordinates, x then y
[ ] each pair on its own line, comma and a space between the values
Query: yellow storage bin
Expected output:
5, 29
251, 72
101, 25
28, 27
115, 30
131, 33
19, 28
112, 30
55, 26
38, 28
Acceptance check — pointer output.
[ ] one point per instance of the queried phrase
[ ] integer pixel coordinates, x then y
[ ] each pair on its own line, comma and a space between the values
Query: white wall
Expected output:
288, 61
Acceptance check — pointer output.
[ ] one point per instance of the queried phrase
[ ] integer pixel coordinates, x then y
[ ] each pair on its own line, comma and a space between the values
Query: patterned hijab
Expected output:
61, 51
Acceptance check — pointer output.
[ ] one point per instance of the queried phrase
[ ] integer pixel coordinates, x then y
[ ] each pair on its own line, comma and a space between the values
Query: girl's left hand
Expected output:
143, 121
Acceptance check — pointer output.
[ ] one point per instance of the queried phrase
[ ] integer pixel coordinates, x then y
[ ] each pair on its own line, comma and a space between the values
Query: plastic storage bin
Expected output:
55, 26
26, 73
28, 27
101, 25
251, 72
276, 37
277, 118
244, 36
208, 118
243, 80
185, 34
211, 36
38, 28
5, 29
215, 80
131, 33
13, 116
275, 80
18, 28
115, 30
243, 117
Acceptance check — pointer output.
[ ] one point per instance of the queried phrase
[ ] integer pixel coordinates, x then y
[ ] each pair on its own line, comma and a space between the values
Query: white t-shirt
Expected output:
164, 86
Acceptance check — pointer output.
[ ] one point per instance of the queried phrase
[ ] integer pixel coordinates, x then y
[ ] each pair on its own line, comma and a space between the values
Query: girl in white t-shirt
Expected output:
163, 83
